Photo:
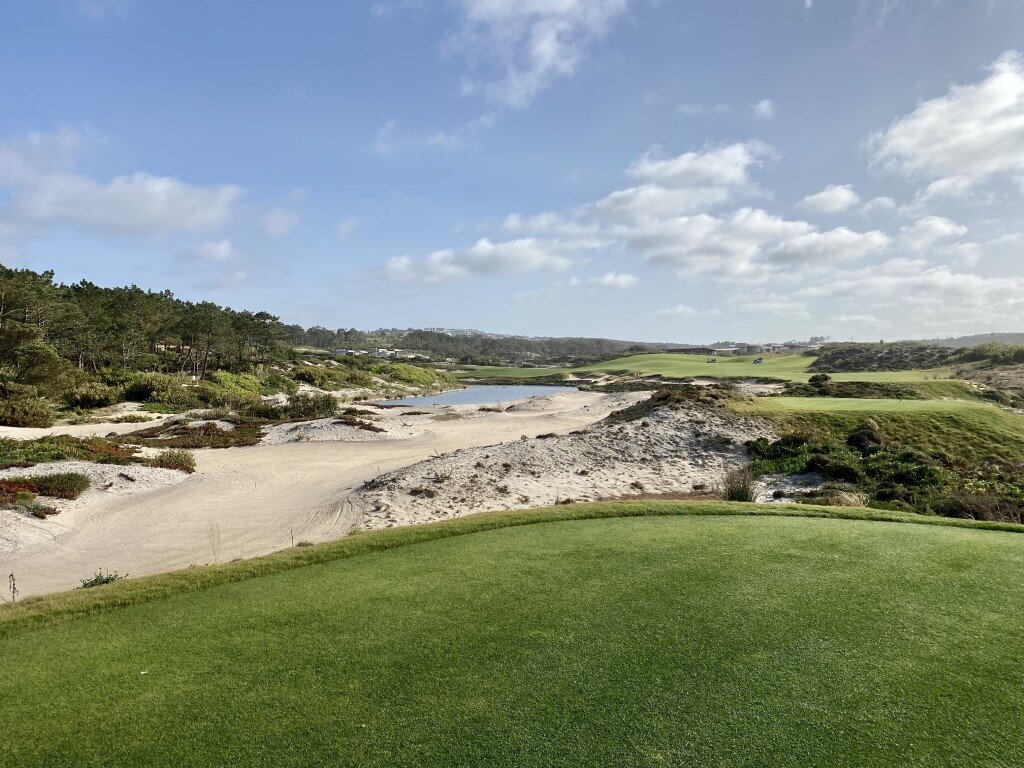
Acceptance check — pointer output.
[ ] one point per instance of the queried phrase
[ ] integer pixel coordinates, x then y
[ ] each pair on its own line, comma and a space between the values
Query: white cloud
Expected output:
384, 139
724, 166
750, 244
346, 227
38, 171
764, 109
528, 44
877, 205
929, 298
614, 280
778, 307
834, 198
973, 133
691, 182
926, 232
280, 221
139, 203
857, 319
484, 259
216, 251
836, 245
685, 310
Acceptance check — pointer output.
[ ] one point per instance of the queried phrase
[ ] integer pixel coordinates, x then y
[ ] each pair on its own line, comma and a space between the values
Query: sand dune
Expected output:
244, 502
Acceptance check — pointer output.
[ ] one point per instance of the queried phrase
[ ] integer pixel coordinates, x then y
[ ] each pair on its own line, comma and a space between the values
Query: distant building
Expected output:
691, 351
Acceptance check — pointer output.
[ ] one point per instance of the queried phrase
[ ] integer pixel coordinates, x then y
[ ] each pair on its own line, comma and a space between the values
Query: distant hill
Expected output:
1011, 339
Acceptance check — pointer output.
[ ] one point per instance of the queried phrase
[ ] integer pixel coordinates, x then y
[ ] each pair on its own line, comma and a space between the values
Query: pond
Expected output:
482, 395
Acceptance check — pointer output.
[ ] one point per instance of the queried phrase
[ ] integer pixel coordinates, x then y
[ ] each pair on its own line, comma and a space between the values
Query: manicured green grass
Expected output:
972, 431
785, 367
680, 637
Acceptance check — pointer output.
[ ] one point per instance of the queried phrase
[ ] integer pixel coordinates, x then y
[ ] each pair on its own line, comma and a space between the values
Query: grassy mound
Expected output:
966, 431
783, 368
675, 637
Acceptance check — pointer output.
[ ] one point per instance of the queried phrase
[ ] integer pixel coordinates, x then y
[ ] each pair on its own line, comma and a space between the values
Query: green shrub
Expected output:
21, 406
171, 391
738, 485
321, 378
974, 507
101, 578
91, 394
174, 459
307, 406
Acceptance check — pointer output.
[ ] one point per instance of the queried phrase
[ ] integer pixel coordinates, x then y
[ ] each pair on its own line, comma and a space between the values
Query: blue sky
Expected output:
682, 171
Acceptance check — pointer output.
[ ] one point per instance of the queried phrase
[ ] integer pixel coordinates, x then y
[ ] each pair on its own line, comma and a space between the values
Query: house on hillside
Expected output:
691, 351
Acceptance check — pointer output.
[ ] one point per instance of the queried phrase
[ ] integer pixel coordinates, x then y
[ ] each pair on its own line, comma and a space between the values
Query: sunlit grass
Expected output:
691, 639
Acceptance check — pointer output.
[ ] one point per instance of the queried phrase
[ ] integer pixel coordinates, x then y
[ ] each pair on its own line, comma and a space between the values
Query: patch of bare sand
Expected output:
670, 451
244, 502
21, 533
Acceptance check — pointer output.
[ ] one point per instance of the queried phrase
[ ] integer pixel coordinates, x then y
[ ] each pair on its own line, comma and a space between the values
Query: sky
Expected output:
657, 170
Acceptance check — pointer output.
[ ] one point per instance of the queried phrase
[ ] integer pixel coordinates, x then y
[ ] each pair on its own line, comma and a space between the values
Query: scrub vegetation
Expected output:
66, 350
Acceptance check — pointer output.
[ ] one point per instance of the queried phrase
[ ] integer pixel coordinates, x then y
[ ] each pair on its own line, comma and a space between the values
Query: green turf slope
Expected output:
784, 367
665, 640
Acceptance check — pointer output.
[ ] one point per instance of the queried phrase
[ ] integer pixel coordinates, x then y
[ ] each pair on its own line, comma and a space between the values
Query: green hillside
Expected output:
692, 635
785, 367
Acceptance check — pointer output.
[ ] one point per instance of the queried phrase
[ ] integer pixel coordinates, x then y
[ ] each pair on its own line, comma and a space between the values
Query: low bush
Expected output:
308, 406
174, 459
26, 453
975, 507
821, 385
91, 394
738, 485
22, 407
101, 578
677, 396
61, 485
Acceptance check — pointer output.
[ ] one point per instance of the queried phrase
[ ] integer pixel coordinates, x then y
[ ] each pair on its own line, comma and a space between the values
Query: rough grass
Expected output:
25, 453
59, 485
691, 634
785, 367
966, 431
174, 459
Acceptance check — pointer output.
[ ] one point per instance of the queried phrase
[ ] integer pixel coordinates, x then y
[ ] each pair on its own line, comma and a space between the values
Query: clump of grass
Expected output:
26, 453
357, 412
202, 436
174, 459
351, 421
449, 416
62, 485
101, 578
132, 418
25, 501
738, 485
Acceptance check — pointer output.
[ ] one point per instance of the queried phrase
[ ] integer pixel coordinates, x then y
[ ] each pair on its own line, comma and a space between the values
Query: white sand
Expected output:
244, 502
669, 452
20, 533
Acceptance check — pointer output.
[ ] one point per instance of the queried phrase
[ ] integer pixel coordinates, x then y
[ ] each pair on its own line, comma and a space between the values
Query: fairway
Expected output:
784, 367
670, 640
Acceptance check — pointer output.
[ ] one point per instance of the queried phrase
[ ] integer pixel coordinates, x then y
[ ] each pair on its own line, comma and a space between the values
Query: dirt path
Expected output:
244, 502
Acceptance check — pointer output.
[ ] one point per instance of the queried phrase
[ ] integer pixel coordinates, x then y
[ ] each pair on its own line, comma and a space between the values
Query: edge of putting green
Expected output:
62, 607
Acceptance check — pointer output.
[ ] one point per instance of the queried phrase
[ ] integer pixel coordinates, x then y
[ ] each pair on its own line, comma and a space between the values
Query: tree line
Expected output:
49, 330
